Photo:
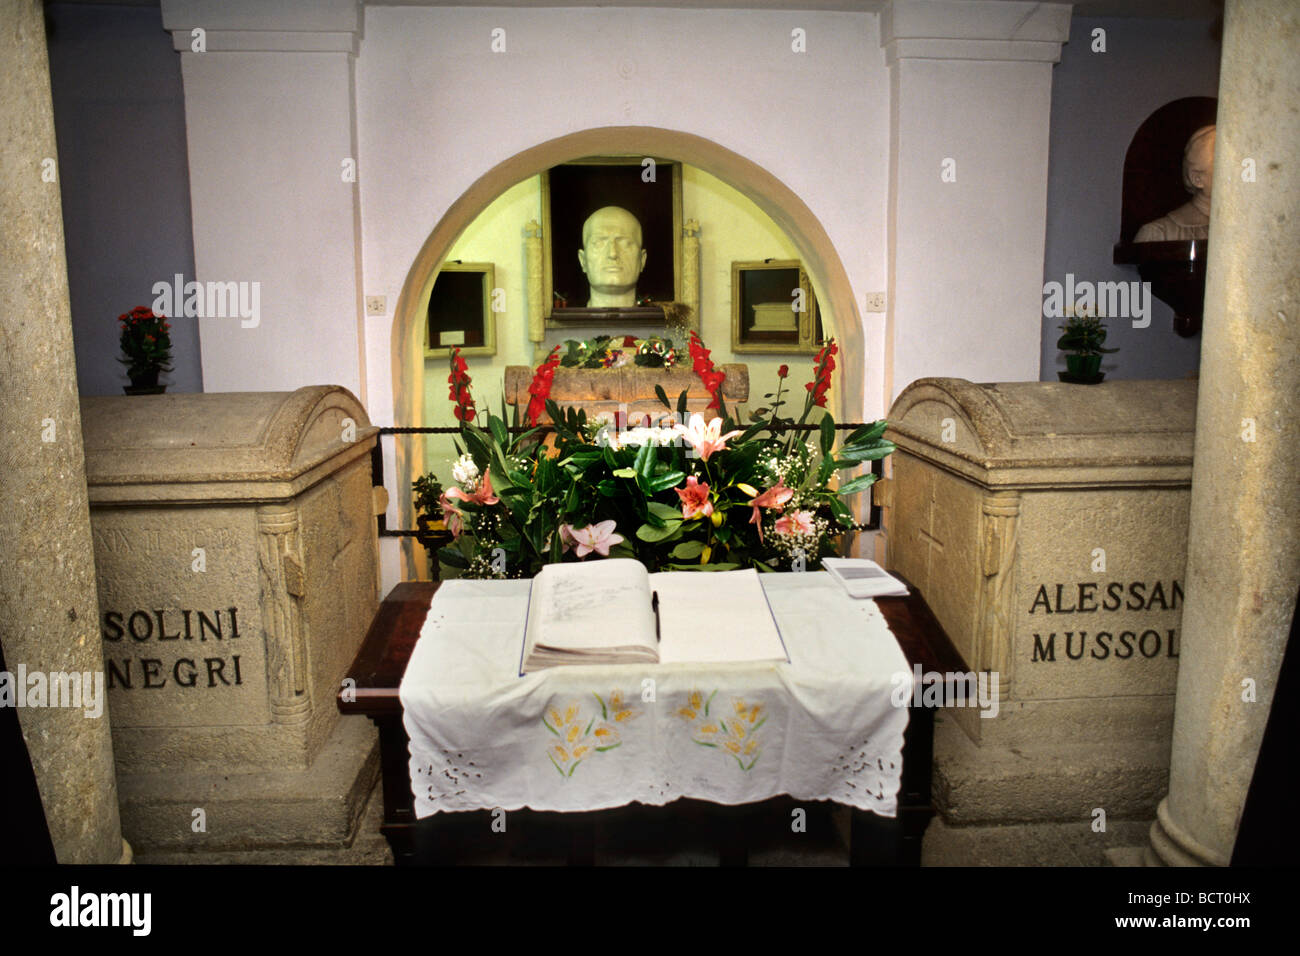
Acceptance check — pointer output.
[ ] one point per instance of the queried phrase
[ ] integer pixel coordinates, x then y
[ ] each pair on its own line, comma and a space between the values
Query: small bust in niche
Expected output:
1192, 219
611, 257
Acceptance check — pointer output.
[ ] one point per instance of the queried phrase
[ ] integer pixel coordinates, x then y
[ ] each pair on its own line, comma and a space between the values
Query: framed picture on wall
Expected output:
773, 308
460, 310
647, 187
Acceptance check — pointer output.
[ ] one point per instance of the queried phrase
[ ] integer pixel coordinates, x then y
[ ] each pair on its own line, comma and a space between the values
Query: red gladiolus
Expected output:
459, 391
540, 389
824, 363
703, 366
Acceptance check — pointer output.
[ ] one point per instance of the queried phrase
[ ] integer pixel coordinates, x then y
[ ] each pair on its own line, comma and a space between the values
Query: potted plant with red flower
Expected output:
146, 349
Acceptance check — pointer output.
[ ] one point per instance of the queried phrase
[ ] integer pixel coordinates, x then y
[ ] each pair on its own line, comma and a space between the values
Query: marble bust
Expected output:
1192, 219
611, 257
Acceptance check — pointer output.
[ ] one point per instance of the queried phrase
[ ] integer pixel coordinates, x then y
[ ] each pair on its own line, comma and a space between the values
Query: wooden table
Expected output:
377, 671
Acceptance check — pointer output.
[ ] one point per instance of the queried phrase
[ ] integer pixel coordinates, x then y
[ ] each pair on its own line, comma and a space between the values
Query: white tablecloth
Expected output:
822, 726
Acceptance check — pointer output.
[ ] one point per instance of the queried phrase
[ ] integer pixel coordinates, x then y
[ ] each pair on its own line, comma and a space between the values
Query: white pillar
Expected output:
1243, 560
270, 114
970, 110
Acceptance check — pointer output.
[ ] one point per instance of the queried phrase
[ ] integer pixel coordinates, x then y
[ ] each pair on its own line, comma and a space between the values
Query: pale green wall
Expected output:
731, 229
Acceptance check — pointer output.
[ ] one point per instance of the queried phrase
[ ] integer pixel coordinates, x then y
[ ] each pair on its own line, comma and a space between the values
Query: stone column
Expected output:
49, 609
1243, 562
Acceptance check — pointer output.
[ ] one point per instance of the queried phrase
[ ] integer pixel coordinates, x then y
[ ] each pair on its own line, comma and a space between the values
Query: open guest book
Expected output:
614, 611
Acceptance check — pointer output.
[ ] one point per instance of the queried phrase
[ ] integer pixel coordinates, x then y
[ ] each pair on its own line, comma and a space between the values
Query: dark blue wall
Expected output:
1098, 102
119, 114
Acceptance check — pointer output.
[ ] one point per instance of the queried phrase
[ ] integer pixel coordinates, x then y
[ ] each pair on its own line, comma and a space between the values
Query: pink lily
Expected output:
450, 516
774, 497
594, 537
695, 499
483, 496
797, 522
706, 439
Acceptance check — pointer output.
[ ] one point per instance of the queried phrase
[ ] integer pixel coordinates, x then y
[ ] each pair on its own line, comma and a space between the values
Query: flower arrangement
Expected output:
602, 352
146, 346
676, 492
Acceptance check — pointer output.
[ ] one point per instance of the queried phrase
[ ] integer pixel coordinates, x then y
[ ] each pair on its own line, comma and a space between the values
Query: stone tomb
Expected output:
608, 390
1046, 524
237, 563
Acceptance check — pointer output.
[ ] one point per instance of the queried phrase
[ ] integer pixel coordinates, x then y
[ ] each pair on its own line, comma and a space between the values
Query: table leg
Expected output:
915, 803
395, 777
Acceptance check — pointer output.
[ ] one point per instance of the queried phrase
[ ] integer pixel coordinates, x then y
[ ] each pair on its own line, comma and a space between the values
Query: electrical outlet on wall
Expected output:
376, 304
875, 302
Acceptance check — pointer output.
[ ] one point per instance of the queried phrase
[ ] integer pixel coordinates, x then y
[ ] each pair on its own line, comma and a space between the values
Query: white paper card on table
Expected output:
614, 611
861, 578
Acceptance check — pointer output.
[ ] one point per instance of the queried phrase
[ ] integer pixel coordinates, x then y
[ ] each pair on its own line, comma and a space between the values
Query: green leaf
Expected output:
867, 452
828, 434
645, 460
824, 470
624, 472
478, 447
663, 397
498, 428
867, 433
681, 405
665, 481
652, 535
688, 549
860, 483
666, 512
452, 557
841, 511
609, 488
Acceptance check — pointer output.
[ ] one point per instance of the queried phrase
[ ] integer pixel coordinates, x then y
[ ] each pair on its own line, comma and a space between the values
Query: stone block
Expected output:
1046, 525
236, 554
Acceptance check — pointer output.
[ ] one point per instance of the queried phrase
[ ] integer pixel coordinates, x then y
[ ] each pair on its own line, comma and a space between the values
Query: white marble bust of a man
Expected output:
1190, 220
611, 256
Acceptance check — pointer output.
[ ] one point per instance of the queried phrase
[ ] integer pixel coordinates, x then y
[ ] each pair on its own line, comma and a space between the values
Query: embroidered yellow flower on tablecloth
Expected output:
734, 733
581, 737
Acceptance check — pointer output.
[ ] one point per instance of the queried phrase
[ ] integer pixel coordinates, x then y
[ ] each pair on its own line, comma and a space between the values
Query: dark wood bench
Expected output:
376, 674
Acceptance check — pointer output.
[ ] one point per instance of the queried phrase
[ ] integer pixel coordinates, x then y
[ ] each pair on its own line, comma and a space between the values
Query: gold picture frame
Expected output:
458, 310
764, 319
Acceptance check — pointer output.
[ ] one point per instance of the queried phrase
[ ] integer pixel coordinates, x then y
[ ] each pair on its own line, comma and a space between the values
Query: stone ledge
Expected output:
1055, 782
316, 807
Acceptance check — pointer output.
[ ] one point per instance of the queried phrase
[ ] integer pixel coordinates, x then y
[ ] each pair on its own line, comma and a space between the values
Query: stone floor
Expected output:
824, 844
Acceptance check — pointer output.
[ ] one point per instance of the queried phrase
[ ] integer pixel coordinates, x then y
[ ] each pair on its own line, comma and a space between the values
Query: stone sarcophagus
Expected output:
237, 565
1046, 524
630, 388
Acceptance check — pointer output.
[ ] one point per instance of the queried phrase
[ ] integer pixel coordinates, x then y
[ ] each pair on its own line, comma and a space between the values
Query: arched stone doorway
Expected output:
772, 196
